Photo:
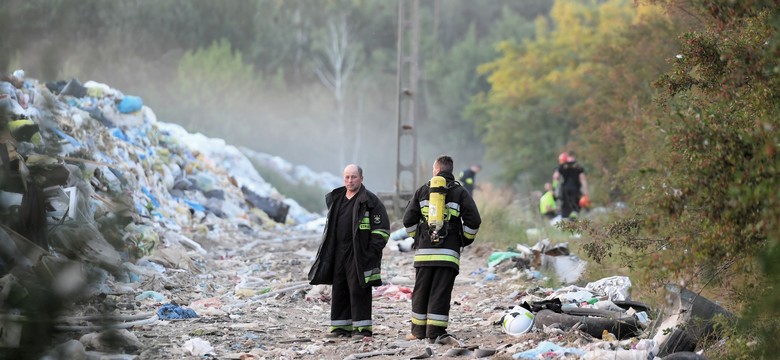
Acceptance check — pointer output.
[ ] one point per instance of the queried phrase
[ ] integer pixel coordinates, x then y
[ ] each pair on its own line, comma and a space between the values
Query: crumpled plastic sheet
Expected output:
615, 287
171, 312
625, 350
198, 347
576, 296
499, 256
547, 350
150, 295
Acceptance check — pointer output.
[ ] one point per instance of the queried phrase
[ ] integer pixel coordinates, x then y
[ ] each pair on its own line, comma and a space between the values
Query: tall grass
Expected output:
505, 216
510, 217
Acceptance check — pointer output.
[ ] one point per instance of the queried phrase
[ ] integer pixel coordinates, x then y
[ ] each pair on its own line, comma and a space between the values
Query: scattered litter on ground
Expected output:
171, 245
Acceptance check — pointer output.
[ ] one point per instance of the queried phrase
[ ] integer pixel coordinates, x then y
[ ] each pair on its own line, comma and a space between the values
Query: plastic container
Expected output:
518, 321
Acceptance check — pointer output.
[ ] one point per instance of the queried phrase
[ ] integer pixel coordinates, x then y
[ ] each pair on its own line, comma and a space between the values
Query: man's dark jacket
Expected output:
369, 236
462, 222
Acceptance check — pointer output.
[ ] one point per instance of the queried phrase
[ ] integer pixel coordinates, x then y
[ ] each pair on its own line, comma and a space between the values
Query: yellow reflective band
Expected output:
469, 236
423, 258
373, 277
364, 328
452, 212
418, 321
381, 233
436, 323
342, 327
364, 220
364, 226
412, 234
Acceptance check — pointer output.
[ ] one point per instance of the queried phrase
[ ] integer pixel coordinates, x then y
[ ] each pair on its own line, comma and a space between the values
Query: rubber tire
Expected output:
677, 342
594, 322
637, 305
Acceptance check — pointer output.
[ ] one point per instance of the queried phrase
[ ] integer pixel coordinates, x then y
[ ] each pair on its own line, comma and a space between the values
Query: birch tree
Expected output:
334, 67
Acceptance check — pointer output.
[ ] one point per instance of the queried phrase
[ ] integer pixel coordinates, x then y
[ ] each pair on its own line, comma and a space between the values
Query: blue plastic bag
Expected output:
130, 104
171, 311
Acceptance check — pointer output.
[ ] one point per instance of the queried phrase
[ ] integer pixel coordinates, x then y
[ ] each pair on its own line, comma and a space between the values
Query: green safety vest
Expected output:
547, 203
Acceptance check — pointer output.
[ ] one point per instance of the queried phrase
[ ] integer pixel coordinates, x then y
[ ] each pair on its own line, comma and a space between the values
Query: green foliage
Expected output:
207, 75
532, 108
760, 319
211, 83
512, 26
617, 126
720, 141
451, 80
700, 171
705, 194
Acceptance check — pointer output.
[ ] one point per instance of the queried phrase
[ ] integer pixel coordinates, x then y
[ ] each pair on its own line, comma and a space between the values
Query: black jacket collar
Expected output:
362, 194
446, 175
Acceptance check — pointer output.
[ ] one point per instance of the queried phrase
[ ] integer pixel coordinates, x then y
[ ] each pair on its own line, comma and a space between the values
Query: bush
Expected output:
504, 219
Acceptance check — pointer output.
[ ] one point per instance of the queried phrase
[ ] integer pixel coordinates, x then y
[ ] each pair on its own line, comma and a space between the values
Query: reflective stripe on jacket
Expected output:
370, 233
462, 221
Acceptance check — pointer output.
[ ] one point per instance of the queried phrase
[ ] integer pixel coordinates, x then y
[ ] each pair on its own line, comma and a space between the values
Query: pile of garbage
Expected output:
600, 319
292, 173
92, 185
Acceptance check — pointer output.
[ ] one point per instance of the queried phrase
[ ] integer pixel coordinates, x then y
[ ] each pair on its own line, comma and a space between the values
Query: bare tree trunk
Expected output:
334, 73
299, 39
358, 123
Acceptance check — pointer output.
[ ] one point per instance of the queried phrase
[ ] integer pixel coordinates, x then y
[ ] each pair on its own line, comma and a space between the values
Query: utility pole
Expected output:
407, 75
408, 48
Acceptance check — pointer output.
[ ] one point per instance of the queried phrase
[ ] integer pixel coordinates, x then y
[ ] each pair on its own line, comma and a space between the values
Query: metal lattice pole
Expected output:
406, 112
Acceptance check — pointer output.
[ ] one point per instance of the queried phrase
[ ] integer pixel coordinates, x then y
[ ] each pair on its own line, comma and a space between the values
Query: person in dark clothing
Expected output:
468, 177
350, 254
437, 263
574, 185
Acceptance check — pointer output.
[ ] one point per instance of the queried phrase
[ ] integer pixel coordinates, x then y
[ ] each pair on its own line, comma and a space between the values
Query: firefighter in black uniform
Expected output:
437, 257
467, 177
574, 185
350, 255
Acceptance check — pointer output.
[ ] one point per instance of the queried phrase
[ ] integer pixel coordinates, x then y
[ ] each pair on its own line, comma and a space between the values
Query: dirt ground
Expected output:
261, 306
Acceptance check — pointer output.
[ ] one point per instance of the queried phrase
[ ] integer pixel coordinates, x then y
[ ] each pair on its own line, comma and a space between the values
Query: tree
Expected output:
706, 207
617, 124
211, 83
530, 113
334, 68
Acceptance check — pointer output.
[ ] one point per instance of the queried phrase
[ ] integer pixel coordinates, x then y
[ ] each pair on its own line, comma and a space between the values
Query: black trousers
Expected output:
350, 306
570, 201
431, 300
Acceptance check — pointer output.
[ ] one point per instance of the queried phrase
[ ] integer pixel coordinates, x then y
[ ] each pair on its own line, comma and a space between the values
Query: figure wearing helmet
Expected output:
556, 178
573, 185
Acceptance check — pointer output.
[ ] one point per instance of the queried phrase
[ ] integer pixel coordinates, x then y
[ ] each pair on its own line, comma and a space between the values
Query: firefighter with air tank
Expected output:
443, 219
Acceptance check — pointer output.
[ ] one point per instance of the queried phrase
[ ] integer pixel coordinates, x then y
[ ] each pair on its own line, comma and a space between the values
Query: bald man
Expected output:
350, 254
